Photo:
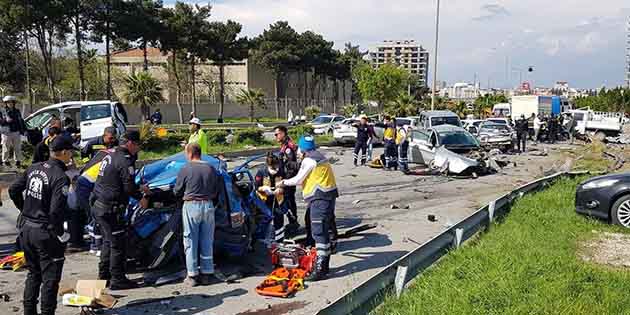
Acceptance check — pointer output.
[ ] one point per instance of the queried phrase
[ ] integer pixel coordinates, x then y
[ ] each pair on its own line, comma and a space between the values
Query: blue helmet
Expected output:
306, 143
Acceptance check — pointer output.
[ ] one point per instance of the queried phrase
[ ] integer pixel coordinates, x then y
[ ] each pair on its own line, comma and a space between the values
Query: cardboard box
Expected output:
94, 289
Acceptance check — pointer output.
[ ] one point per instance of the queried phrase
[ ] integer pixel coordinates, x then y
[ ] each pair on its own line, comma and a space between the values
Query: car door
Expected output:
120, 117
94, 119
418, 147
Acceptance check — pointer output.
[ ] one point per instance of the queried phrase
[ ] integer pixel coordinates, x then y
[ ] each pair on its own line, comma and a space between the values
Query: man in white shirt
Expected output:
537, 126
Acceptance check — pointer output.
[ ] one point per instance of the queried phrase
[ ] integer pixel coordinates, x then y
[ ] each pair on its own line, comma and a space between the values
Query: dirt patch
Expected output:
278, 309
610, 249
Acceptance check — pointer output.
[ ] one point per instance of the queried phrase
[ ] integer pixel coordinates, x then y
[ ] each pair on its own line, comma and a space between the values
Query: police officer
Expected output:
110, 197
290, 166
364, 135
107, 141
320, 192
42, 237
522, 132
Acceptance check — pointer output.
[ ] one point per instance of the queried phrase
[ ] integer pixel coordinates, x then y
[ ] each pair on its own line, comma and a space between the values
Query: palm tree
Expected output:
252, 97
143, 90
404, 105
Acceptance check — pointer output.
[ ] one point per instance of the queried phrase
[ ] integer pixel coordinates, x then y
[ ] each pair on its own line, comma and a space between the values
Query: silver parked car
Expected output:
324, 124
424, 143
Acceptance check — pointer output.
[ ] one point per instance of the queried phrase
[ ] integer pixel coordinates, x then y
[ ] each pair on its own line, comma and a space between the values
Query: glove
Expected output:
64, 238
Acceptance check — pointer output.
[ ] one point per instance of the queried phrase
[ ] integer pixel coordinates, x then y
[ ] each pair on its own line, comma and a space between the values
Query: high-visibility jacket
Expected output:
389, 133
200, 138
320, 183
13, 262
401, 135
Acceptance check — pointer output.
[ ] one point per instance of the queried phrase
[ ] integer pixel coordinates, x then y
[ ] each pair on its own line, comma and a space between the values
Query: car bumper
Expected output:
345, 139
593, 202
320, 131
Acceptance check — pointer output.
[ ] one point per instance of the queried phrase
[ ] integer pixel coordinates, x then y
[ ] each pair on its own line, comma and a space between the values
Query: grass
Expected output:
527, 264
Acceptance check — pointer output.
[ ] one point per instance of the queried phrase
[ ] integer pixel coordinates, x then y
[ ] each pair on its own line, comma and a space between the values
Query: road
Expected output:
358, 258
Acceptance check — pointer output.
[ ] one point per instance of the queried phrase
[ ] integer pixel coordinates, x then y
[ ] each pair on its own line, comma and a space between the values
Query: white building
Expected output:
407, 54
462, 91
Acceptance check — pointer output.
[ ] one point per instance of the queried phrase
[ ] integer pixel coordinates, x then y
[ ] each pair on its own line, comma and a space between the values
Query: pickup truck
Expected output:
597, 124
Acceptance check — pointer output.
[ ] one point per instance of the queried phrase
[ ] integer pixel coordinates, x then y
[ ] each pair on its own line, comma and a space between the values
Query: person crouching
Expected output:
198, 183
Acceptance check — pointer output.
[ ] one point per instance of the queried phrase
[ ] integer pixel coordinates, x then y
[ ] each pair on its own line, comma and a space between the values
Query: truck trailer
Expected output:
534, 104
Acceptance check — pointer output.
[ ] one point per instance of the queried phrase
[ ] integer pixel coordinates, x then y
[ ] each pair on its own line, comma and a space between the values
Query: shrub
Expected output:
216, 136
249, 136
300, 130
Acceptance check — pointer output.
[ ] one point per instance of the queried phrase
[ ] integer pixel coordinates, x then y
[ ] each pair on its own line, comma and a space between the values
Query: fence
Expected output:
370, 293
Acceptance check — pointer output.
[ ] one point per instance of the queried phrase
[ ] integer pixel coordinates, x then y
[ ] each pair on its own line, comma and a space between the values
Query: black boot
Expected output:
320, 270
122, 284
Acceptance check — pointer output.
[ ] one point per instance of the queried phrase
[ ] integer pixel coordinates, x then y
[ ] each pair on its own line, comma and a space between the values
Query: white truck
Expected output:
597, 124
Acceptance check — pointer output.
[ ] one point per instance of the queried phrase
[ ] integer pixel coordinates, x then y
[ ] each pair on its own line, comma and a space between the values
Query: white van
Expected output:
90, 117
502, 110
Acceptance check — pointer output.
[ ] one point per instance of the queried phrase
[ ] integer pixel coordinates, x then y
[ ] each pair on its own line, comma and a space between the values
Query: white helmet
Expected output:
9, 98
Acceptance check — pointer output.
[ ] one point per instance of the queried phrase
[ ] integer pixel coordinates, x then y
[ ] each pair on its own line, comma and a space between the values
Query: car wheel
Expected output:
620, 212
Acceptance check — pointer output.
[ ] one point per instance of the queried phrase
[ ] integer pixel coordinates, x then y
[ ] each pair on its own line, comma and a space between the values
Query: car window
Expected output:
402, 122
494, 128
436, 121
121, 110
434, 139
578, 116
97, 111
417, 135
457, 138
498, 121
322, 120
38, 121
338, 119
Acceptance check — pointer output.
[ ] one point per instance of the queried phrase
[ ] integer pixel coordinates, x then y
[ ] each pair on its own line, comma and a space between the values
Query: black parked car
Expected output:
605, 197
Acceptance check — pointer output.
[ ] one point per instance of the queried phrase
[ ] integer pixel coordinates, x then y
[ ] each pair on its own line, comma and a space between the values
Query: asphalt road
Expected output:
358, 258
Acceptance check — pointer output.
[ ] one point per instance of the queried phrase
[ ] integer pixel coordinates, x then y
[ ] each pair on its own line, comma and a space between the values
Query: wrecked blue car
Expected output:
155, 235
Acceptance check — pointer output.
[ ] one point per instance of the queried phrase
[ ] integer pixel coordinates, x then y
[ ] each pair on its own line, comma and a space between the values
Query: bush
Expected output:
216, 137
300, 130
249, 136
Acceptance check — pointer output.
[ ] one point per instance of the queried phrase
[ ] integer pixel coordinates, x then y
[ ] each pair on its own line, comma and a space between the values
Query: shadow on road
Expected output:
181, 305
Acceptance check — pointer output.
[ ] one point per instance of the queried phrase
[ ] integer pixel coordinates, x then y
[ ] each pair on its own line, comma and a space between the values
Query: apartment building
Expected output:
408, 54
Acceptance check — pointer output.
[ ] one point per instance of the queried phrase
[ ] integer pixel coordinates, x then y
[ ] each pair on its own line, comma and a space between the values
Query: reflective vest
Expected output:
200, 138
320, 182
401, 136
389, 133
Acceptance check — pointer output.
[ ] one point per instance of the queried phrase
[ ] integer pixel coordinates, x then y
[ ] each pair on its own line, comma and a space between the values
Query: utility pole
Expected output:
435, 55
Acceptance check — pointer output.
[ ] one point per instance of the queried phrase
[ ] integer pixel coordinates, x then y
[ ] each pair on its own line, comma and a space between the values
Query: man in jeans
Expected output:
13, 124
198, 184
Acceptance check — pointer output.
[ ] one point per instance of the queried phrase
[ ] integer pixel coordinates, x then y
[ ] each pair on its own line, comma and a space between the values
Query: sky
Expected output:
579, 41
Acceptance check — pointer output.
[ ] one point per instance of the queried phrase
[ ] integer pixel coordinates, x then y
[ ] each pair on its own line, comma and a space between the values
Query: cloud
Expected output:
492, 11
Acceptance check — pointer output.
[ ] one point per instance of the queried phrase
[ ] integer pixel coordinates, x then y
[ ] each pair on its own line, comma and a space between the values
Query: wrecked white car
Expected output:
492, 135
425, 144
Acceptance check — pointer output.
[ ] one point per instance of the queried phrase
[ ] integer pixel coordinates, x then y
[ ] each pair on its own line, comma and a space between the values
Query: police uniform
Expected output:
45, 187
95, 145
363, 135
290, 166
391, 154
402, 143
110, 197
320, 192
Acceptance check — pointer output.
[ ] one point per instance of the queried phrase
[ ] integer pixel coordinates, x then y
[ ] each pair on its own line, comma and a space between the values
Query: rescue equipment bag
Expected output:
282, 282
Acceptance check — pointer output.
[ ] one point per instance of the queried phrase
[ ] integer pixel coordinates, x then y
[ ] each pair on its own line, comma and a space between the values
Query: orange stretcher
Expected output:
282, 282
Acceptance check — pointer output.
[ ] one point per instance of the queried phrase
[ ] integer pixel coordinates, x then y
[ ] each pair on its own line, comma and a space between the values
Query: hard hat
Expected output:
306, 143
9, 98
195, 121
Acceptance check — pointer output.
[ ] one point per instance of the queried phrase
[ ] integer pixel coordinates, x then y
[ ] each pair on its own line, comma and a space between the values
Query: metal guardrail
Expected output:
371, 292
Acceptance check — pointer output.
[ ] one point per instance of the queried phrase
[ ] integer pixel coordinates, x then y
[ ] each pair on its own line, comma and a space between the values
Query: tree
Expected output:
253, 98
226, 48
276, 50
403, 106
144, 90
484, 103
383, 84
12, 68
351, 58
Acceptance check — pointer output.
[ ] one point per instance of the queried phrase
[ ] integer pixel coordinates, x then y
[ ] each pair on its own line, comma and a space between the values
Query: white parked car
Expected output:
345, 133
90, 117
325, 124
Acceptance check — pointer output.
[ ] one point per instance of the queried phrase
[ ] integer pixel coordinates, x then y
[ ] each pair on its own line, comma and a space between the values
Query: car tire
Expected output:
620, 212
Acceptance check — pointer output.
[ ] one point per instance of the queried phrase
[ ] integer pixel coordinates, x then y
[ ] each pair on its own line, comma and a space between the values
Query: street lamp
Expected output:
435, 55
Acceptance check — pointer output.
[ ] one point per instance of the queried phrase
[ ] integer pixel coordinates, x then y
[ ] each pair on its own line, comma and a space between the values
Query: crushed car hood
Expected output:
162, 174
456, 163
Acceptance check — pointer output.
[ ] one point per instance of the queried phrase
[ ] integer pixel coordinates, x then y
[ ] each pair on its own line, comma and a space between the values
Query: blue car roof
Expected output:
164, 172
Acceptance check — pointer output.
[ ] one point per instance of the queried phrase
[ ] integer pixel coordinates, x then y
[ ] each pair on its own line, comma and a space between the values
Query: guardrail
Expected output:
371, 293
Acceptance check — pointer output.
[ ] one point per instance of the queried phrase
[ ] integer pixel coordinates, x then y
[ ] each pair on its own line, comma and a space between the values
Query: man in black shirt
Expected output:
42, 237
364, 135
14, 127
522, 132
107, 141
41, 152
110, 197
